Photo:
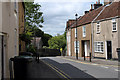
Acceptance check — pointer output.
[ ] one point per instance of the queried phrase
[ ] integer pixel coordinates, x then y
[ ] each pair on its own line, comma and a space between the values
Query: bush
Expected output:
31, 48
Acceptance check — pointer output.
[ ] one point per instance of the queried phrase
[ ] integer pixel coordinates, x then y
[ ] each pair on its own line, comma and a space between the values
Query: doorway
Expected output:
109, 50
69, 48
85, 48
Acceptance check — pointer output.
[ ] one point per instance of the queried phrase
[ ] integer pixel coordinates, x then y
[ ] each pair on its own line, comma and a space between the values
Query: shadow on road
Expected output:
73, 72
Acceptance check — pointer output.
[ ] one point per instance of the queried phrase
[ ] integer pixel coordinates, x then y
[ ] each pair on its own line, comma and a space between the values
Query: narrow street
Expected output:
72, 69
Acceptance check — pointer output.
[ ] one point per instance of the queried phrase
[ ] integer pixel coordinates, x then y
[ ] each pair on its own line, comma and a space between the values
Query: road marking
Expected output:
94, 64
86, 62
62, 72
104, 66
117, 70
58, 70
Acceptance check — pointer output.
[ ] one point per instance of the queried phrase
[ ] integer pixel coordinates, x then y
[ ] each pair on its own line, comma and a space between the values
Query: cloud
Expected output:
56, 14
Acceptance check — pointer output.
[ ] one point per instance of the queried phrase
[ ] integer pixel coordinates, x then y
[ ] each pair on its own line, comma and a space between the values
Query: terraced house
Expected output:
9, 35
97, 32
106, 32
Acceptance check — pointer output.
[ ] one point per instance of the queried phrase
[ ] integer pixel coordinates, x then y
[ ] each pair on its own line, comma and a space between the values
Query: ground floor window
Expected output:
98, 46
76, 47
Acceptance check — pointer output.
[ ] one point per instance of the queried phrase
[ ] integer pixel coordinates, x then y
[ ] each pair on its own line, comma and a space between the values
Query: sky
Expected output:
56, 13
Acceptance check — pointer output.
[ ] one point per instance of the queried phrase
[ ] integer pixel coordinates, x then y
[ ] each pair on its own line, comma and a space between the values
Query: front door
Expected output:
85, 48
109, 50
69, 49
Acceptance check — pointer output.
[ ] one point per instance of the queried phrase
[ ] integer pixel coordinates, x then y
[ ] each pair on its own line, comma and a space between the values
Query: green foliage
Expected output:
38, 33
45, 39
25, 37
30, 48
45, 47
57, 42
33, 15
33, 18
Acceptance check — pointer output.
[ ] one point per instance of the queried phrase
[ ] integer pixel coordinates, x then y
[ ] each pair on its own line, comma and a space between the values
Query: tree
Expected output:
57, 42
45, 39
38, 33
33, 15
33, 18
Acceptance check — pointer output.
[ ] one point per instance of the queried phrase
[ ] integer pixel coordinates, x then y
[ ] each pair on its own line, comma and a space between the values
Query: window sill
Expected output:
99, 52
98, 33
84, 36
114, 30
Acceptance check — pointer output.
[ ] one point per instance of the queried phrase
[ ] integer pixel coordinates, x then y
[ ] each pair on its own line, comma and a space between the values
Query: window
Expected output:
84, 31
114, 25
68, 38
98, 46
98, 28
76, 47
15, 7
75, 32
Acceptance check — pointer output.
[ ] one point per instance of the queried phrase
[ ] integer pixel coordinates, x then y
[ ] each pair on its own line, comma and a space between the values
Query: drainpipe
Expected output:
92, 28
2, 58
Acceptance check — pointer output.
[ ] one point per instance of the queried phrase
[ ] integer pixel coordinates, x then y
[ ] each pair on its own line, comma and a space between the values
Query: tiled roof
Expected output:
87, 18
110, 11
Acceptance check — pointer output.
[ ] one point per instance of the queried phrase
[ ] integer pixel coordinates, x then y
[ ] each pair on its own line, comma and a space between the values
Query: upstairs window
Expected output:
98, 28
114, 25
84, 31
15, 7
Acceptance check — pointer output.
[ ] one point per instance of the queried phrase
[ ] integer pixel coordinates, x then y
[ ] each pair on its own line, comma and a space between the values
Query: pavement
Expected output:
94, 60
35, 71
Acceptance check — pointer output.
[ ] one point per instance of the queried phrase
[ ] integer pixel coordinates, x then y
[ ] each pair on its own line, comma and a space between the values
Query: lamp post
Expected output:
76, 38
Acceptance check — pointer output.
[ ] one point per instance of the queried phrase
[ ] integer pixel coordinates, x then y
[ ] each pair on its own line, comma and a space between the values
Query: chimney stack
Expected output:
98, 1
108, 2
86, 12
70, 22
91, 6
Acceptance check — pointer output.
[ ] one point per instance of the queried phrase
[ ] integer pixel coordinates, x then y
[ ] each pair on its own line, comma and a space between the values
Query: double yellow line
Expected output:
64, 75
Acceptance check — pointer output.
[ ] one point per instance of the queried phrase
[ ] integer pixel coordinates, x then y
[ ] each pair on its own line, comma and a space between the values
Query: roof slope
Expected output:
110, 11
89, 17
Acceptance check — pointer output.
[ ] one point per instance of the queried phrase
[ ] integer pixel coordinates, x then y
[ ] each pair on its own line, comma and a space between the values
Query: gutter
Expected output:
92, 28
